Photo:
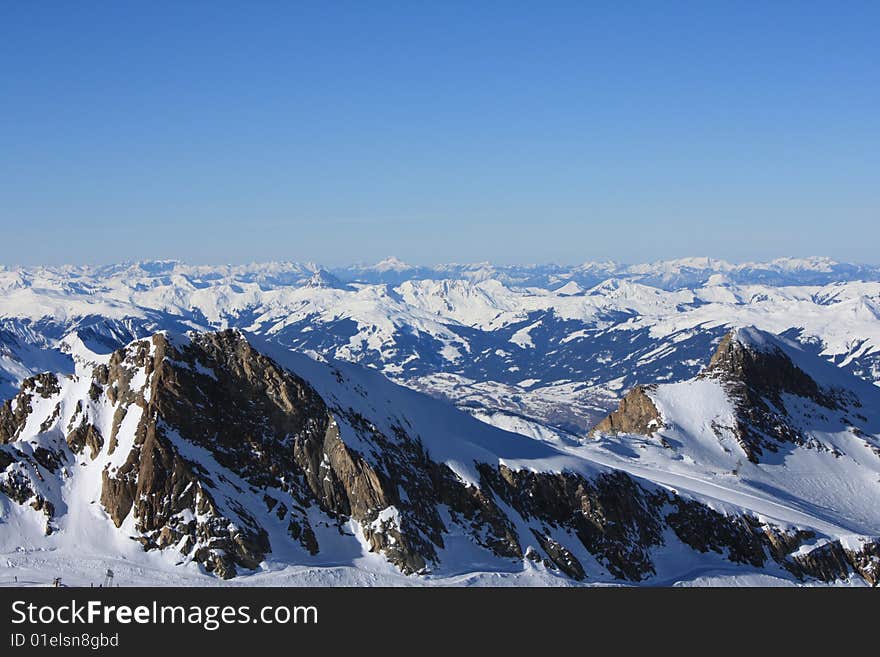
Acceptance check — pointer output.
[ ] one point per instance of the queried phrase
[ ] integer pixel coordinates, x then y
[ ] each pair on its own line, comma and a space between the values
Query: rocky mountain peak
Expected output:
636, 413
762, 376
753, 361
772, 396
206, 451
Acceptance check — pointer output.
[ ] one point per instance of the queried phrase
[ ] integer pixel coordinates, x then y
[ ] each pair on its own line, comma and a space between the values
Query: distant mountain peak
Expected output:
811, 263
569, 289
323, 278
392, 263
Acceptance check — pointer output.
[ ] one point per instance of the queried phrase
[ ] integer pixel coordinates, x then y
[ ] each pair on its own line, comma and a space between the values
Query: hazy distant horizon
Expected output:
435, 264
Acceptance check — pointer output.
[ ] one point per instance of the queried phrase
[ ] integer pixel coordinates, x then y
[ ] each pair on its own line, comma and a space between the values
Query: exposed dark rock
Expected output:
756, 377
560, 556
610, 514
14, 412
781, 543
272, 429
17, 482
304, 534
866, 561
636, 414
704, 529
827, 563
831, 562
215, 423
5, 459
476, 509
50, 459
766, 371
85, 435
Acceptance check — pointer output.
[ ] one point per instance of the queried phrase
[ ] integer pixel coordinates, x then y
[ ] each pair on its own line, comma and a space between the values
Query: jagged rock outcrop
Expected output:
21, 466
636, 413
866, 561
767, 372
14, 412
19, 481
832, 561
274, 432
767, 402
620, 521
757, 375
258, 421
211, 449
610, 514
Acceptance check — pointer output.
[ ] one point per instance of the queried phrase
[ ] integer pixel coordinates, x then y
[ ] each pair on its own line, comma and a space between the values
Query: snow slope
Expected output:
826, 488
580, 334
832, 476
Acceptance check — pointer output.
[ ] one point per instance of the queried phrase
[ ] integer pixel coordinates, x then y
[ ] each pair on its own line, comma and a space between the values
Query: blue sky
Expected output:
455, 131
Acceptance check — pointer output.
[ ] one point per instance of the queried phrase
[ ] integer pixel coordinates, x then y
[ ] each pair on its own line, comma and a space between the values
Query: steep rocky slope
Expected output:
232, 456
766, 420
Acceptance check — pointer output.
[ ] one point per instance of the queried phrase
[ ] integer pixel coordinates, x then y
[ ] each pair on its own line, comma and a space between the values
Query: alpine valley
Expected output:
688, 422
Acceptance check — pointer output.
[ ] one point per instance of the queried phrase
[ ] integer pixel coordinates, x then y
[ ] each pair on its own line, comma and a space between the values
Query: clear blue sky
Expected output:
438, 131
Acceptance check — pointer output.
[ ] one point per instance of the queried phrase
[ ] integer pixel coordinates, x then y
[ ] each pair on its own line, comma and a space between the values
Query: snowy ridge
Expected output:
534, 356
830, 472
687, 479
581, 339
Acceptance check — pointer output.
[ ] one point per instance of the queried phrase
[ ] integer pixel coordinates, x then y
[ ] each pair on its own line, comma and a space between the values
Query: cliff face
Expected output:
766, 400
247, 417
271, 429
758, 376
21, 470
210, 450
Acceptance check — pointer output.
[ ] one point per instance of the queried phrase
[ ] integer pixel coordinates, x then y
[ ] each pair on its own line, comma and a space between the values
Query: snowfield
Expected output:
582, 334
534, 356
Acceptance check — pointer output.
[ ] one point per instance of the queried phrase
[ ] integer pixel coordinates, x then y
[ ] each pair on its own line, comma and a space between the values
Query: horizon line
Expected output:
403, 265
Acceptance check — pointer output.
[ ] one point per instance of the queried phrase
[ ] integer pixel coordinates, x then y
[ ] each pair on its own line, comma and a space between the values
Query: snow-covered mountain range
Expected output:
558, 354
277, 450
226, 455
667, 274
